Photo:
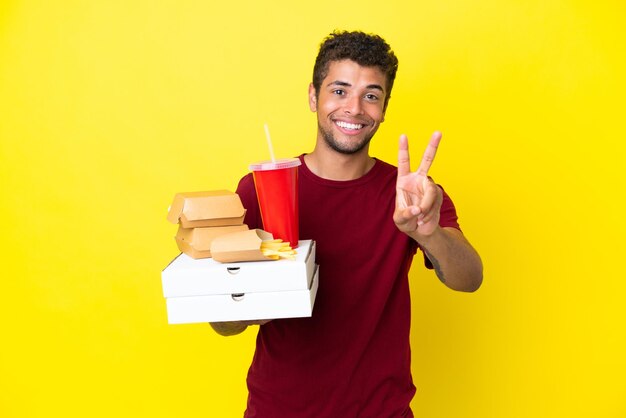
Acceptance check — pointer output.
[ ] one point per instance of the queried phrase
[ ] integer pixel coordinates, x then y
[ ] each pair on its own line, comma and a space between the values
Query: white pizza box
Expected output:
244, 306
186, 276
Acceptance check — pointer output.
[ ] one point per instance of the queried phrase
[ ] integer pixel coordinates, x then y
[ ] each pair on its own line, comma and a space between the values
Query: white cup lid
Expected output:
275, 165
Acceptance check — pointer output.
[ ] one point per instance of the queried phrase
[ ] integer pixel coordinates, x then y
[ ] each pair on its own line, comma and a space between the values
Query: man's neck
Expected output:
332, 165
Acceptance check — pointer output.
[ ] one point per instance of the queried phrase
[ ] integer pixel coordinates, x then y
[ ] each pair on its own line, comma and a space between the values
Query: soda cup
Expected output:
276, 184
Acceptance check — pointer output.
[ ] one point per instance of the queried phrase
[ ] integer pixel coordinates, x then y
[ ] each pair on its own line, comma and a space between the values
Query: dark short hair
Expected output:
367, 50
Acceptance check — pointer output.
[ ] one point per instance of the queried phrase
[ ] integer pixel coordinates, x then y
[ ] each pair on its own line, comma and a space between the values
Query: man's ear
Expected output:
312, 98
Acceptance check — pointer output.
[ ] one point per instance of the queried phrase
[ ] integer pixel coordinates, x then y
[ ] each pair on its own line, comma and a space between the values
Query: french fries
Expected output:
276, 248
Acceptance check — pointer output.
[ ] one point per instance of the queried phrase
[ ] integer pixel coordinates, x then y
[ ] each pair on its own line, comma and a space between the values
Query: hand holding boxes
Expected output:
230, 286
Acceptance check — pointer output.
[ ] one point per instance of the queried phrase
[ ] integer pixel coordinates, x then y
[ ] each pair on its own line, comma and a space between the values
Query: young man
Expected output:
352, 357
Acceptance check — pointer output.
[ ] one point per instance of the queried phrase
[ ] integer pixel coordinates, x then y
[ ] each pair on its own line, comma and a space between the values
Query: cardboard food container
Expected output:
196, 242
210, 208
185, 276
244, 306
205, 290
240, 246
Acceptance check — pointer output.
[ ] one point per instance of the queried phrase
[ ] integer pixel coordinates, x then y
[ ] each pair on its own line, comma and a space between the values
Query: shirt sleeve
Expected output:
447, 219
247, 194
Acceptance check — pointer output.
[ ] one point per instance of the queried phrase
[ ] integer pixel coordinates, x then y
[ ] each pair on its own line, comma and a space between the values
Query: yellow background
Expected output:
108, 108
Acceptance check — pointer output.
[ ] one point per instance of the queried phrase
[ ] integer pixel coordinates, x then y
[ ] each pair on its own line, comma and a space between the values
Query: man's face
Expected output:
350, 105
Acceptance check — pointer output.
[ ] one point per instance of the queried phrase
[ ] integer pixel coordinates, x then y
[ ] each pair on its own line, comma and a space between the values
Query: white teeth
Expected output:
347, 125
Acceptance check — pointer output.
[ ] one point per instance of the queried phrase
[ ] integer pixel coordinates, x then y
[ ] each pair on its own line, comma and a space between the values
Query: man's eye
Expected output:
339, 92
371, 97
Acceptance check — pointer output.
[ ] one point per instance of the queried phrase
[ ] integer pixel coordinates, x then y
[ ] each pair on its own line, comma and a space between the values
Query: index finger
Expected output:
404, 161
429, 154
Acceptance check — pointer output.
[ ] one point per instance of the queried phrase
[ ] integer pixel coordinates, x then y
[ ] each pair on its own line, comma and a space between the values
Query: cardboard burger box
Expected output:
204, 216
203, 209
206, 290
196, 242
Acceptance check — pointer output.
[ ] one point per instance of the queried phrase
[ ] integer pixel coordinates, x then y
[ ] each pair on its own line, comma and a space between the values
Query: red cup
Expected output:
276, 184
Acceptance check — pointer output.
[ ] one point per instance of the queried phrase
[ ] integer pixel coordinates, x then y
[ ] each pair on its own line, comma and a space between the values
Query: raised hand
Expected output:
418, 198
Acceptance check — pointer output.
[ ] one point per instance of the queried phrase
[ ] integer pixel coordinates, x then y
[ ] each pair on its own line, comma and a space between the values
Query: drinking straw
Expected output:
269, 142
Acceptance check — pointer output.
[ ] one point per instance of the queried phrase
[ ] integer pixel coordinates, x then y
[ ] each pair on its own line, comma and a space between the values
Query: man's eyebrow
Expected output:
339, 83
346, 84
376, 87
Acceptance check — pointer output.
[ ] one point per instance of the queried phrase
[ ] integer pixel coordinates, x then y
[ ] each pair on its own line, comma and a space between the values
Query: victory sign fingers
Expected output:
429, 154
418, 198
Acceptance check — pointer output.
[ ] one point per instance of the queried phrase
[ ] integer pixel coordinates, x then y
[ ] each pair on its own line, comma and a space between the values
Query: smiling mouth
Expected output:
349, 126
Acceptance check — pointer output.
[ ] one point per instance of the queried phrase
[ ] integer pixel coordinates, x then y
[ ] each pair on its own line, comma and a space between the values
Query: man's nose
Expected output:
353, 106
